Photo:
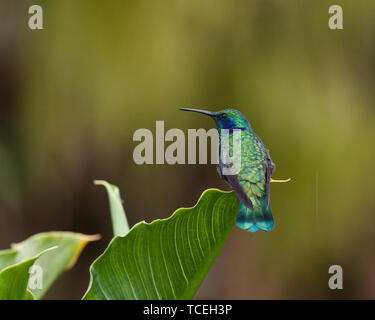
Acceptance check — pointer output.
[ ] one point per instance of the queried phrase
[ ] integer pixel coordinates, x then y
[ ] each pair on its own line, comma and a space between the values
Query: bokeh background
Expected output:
72, 95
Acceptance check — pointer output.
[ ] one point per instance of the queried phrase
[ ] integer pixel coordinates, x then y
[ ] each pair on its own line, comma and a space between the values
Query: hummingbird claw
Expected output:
287, 180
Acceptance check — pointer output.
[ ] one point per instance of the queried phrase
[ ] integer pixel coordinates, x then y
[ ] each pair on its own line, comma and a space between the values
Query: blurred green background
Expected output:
72, 95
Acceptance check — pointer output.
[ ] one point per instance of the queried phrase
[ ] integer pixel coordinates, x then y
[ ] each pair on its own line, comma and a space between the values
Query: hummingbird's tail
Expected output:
260, 217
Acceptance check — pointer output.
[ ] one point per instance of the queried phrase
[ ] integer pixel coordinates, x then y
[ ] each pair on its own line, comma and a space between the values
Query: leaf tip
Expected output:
93, 237
99, 182
85, 240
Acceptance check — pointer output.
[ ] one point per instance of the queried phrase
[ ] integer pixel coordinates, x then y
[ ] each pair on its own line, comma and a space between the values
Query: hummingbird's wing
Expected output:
233, 181
251, 186
254, 181
251, 182
269, 168
238, 190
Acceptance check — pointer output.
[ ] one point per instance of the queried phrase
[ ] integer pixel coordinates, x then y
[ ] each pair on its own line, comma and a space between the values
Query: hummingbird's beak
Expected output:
209, 113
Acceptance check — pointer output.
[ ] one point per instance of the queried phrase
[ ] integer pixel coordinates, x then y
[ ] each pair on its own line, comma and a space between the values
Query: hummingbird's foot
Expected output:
287, 180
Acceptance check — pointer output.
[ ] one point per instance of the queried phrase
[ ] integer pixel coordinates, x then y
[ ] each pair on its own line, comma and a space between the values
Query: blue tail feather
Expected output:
255, 219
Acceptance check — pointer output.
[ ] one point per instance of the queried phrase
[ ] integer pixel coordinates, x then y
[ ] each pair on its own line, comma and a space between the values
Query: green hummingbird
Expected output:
251, 182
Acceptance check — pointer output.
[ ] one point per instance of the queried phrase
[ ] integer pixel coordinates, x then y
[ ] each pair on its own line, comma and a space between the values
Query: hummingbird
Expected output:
251, 184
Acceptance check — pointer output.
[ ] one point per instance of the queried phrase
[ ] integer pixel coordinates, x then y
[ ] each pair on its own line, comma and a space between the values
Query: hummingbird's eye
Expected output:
223, 116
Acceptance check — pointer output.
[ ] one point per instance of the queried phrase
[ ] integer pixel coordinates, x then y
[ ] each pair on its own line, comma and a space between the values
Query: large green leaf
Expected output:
166, 259
22, 255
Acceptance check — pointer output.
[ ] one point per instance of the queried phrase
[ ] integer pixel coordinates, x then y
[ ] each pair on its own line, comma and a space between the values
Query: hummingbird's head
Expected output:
225, 119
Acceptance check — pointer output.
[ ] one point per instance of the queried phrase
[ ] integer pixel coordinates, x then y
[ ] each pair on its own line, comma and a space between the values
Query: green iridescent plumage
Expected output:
251, 183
